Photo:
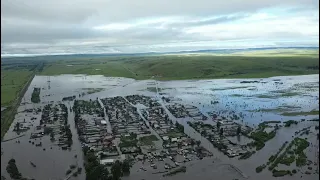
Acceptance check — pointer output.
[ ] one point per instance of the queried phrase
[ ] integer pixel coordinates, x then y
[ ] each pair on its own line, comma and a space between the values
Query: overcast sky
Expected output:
129, 26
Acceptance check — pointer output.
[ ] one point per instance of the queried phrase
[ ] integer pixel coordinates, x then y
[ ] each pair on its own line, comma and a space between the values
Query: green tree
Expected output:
192, 142
238, 130
52, 135
17, 127
116, 170
126, 167
198, 143
221, 131
218, 125
204, 133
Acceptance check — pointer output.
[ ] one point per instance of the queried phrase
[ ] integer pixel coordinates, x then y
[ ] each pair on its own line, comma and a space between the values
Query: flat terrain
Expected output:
177, 67
12, 81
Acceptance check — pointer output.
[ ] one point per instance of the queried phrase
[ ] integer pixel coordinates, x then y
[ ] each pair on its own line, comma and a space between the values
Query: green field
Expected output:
177, 67
12, 81
313, 112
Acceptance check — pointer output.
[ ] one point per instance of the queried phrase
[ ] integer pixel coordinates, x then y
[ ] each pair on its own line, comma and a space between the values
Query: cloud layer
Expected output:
109, 26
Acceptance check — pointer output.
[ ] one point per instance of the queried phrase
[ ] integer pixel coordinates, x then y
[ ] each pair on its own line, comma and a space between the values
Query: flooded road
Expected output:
266, 99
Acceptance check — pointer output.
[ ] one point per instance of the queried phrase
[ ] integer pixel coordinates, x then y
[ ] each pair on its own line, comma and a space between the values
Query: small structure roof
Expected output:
103, 122
107, 161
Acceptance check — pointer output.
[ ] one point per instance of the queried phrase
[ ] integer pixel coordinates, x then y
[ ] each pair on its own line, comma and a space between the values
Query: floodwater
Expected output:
297, 93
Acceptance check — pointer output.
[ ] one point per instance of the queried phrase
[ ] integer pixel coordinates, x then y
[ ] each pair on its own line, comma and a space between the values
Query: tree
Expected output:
116, 170
52, 136
177, 124
17, 127
221, 131
126, 167
198, 143
238, 130
218, 124
204, 133
192, 142
214, 116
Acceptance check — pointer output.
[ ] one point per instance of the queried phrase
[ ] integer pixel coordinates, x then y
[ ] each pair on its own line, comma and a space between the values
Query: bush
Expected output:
279, 173
288, 123
260, 168
301, 160
246, 155
287, 160
294, 171
13, 170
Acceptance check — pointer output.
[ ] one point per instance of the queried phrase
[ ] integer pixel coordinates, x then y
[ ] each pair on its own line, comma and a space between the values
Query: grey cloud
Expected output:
54, 22
210, 21
76, 11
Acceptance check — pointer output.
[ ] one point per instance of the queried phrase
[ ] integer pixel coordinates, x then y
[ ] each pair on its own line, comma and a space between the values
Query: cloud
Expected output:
38, 26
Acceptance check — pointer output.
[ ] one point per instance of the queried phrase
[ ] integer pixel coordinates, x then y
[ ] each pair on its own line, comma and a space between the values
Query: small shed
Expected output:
107, 161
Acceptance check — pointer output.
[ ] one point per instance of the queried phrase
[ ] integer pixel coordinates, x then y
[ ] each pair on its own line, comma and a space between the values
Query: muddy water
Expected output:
232, 96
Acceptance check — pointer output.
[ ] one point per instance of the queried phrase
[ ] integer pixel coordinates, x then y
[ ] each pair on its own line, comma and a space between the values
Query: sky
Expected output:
31, 27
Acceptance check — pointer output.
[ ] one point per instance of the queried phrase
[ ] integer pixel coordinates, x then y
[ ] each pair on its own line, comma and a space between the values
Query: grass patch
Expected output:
287, 160
229, 88
289, 156
260, 168
236, 95
12, 83
153, 89
148, 140
265, 96
279, 173
290, 94
93, 90
128, 141
288, 123
260, 136
174, 133
313, 112
247, 155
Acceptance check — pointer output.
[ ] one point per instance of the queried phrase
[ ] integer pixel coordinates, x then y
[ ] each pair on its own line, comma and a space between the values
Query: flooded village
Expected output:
76, 126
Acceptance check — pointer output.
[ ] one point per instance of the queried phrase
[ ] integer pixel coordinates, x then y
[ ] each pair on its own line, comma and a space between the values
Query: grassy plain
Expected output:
177, 67
12, 81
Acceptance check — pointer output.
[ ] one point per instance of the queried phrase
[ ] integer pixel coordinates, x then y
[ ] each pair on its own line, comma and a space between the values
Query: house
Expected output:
174, 139
103, 122
165, 138
156, 126
107, 161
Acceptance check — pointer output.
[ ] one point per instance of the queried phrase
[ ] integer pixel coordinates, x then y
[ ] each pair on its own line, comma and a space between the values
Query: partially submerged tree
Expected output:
126, 167
221, 131
116, 170
218, 125
198, 143
238, 130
